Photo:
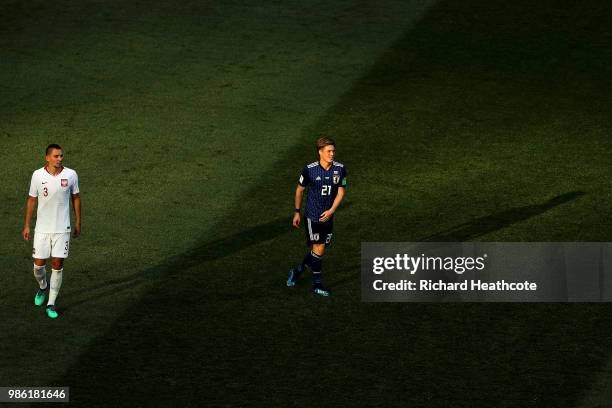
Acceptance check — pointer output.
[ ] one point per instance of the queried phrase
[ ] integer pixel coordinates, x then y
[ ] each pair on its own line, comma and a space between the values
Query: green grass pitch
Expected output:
189, 122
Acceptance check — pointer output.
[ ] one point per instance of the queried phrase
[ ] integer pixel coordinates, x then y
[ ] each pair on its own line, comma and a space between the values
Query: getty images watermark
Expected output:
458, 265
486, 272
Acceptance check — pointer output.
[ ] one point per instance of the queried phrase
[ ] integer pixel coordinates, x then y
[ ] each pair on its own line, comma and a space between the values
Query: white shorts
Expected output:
48, 245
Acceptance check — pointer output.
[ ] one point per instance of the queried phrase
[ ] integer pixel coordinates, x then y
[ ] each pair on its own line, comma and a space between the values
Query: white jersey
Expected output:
53, 194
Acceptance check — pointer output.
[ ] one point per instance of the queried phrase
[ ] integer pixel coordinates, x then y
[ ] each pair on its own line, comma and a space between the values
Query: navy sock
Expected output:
316, 263
305, 262
301, 267
316, 279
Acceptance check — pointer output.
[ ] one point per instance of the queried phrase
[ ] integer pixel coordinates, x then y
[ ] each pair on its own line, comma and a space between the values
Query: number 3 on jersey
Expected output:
326, 190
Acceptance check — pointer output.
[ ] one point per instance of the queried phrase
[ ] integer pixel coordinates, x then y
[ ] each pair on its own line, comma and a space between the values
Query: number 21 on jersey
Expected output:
326, 190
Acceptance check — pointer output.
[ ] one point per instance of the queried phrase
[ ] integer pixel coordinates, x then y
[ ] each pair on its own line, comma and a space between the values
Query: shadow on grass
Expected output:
475, 229
484, 225
179, 264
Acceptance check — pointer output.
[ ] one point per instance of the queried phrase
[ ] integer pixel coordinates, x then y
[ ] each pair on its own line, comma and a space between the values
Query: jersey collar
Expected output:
324, 169
49, 173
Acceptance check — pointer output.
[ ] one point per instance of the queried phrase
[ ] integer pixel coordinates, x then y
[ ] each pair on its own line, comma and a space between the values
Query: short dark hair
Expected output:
51, 147
324, 141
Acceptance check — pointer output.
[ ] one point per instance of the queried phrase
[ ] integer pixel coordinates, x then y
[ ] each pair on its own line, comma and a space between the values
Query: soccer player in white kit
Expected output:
53, 186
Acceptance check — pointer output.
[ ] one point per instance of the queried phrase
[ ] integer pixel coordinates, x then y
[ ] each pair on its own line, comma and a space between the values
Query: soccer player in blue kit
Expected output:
326, 182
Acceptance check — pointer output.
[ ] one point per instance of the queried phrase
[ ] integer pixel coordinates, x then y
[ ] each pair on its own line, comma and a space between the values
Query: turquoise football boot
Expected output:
41, 295
292, 279
321, 291
51, 312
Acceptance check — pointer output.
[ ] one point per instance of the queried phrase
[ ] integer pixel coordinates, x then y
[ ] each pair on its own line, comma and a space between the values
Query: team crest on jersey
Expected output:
336, 179
64, 182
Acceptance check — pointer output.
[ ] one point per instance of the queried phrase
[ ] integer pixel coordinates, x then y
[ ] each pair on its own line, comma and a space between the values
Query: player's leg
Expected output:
323, 236
41, 251
315, 235
40, 274
57, 272
59, 251
57, 263
318, 250
296, 271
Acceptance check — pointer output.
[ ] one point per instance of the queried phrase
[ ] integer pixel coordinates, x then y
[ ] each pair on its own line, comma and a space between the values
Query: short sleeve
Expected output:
75, 185
304, 178
33, 186
343, 178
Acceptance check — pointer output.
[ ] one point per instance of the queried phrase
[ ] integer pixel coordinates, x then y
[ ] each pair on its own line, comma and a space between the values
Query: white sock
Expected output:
56, 284
41, 276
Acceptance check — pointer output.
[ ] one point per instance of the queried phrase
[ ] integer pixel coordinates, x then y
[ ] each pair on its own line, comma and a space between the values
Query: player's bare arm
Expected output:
325, 215
30, 204
76, 205
299, 194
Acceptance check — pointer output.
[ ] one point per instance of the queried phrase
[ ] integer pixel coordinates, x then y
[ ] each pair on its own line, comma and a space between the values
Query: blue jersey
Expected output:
322, 187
